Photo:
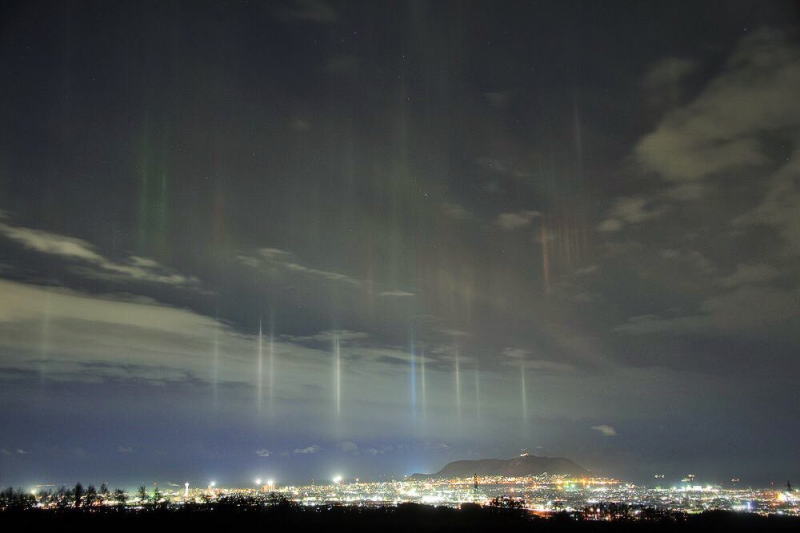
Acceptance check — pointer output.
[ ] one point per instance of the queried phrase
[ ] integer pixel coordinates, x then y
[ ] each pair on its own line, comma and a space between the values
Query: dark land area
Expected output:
405, 517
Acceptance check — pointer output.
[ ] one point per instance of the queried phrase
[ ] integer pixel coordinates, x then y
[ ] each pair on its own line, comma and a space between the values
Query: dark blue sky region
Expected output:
306, 238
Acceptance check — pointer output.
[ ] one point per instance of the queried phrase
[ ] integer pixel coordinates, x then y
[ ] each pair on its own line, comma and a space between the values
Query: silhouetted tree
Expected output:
142, 493
104, 490
120, 498
77, 494
63, 497
91, 496
7, 498
156, 496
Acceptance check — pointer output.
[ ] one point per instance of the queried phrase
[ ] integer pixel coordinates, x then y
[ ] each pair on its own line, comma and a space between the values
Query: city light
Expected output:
593, 498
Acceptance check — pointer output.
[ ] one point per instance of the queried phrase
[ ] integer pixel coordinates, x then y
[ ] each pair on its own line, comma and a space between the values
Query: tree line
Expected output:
88, 498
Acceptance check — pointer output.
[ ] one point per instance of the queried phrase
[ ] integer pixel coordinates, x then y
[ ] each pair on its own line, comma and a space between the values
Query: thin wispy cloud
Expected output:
517, 219
284, 262
605, 430
73, 249
308, 450
395, 294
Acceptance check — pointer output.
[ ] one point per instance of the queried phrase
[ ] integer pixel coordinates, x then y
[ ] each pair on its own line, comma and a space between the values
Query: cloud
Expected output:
747, 274
590, 269
23, 302
283, 262
455, 211
745, 308
60, 335
453, 332
780, 205
606, 430
548, 366
516, 353
51, 243
314, 448
720, 132
124, 449
650, 323
263, 452
517, 219
70, 248
329, 335
519, 357
629, 210
691, 258
396, 294
610, 225
90, 337
685, 192
20, 451
386, 355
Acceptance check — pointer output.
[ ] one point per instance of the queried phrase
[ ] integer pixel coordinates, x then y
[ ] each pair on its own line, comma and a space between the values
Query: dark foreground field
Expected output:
414, 518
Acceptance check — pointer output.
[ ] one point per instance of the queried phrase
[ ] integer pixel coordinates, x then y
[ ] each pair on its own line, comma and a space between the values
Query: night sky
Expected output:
299, 239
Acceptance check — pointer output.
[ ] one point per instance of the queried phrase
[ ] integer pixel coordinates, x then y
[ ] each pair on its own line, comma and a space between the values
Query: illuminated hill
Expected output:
524, 465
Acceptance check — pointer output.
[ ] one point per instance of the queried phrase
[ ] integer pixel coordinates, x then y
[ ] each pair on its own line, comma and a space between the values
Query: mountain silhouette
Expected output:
524, 465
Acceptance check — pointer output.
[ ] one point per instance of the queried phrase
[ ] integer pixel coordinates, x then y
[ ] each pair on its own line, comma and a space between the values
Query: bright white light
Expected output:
337, 479
270, 482
212, 484
258, 481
